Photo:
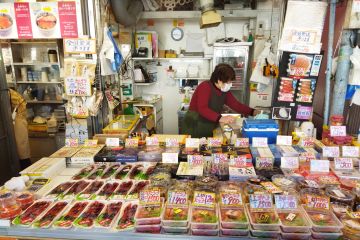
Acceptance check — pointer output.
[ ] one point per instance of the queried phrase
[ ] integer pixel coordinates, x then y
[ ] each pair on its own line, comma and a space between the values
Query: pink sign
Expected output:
68, 19
23, 20
304, 112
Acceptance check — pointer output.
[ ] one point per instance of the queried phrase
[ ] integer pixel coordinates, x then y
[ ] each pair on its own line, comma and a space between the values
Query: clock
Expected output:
177, 34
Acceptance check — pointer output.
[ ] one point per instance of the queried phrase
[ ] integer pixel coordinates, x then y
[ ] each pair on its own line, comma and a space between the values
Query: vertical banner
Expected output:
68, 19
23, 20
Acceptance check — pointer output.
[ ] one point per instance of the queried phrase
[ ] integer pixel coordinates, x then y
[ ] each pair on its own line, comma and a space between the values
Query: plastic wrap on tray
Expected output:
110, 171
138, 172
8, 206
66, 220
264, 221
88, 217
107, 190
60, 189
323, 221
90, 191
123, 172
150, 154
126, 218
75, 189
135, 190
50, 216
233, 217
97, 173
85, 172
109, 214
204, 218
34, 211
176, 215
149, 215
123, 189
25, 199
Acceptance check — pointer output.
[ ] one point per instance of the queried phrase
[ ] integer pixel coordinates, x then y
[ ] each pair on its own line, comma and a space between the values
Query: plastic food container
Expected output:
233, 217
178, 230
283, 182
25, 199
302, 183
28, 217
59, 190
351, 228
265, 233
295, 236
204, 232
133, 193
90, 191
50, 216
204, 218
148, 228
8, 205
340, 195
87, 218
324, 221
149, 215
271, 223
126, 216
176, 216
110, 171
326, 235
109, 214
234, 232
260, 128
299, 224
66, 220
340, 209
76, 188
85, 172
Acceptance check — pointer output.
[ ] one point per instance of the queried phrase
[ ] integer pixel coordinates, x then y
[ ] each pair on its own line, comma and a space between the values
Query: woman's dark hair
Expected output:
223, 72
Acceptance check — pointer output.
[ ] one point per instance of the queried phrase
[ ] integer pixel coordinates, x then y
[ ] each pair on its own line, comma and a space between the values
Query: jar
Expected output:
336, 120
339, 195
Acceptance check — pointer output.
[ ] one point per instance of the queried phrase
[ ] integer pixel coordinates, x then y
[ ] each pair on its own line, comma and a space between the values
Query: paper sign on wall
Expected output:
284, 140
259, 142
331, 152
79, 46
319, 166
350, 151
77, 86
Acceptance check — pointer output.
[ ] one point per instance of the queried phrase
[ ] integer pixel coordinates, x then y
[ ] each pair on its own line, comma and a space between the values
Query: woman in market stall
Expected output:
208, 101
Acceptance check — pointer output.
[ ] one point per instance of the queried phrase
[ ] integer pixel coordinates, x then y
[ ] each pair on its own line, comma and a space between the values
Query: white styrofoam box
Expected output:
84, 157
45, 167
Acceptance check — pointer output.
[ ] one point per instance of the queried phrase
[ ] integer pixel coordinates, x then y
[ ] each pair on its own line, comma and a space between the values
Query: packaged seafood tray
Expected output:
59, 190
109, 214
122, 190
107, 190
148, 228
84, 173
205, 232
9, 208
295, 236
151, 154
66, 220
204, 218
293, 221
135, 190
90, 192
263, 221
28, 217
326, 235
141, 171
122, 172
234, 232
88, 217
265, 233
126, 217
176, 216
149, 214
75, 189
324, 221
233, 217
25, 199
110, 171
47, 219
175, 230
98, 172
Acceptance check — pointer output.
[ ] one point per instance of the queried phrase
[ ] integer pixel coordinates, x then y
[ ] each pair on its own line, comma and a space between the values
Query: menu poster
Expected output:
45, 20
68, 19
7, 21
77, 86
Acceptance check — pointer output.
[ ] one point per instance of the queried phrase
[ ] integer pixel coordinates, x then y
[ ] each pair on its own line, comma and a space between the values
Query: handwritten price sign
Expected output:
69, 142
112, 142
77, 86
331, 152
231, 199
132, 142
238, 161
204, 199
306, 157
171, 142
149, 197
259, 142
192, 143
337, 131
195, 160
321, 166
284, 140
344, 164
77, 45
317, 202
152, 141
261, 201
220, 158
264, 163
290, 162
307, 142
170, 157
242, 143
350, 151
285, 202
214, 142
177, 198
90, 142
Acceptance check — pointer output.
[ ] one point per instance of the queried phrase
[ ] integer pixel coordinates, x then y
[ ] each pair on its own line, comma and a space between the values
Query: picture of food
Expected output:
46, 21
6, 23
299, 65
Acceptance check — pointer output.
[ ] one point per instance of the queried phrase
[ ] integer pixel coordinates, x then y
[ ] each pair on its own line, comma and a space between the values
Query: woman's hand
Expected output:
227, 119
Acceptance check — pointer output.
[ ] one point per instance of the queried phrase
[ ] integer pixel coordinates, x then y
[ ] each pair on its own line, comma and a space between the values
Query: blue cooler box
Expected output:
260, 128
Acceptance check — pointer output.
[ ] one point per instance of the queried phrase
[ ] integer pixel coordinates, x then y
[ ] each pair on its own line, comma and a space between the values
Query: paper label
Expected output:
331, 152
220, 158
350, 151
204, 199
284, 140
83, 46
307, 142
260, 202
112, 142
290, 162
149, 197
246, 171
319, 166
214, 142
343, 164
337, 131
192, 143
132, 142
317, 202
91, 143
4, 223
259, 142
312, 183
238, 161
264, 163
307, 157
177, 198
195, 160
242, 143
152, 141
171, 142
270, 187
231, 199
169, 157
285, 201
291, 217
70, 142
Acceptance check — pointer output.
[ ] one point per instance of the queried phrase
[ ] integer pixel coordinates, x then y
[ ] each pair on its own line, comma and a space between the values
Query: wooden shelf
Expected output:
37, 82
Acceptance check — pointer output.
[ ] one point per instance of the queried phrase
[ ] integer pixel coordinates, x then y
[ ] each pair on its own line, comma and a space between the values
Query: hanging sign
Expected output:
285, 202
242, 143
79, 46
77, 86
259, 142
350, 151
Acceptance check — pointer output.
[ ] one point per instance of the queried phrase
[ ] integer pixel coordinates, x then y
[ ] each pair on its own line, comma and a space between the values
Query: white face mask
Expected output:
226, 87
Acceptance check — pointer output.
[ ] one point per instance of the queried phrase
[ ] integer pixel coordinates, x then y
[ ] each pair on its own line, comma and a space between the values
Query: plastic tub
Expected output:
205, 232
234, 232
300, 224
149, 215
148, 228
265, 233
178, 230
198, 216
260, 128
326, 236
295, 236
176, 216
317, 219
264, 226
233, 217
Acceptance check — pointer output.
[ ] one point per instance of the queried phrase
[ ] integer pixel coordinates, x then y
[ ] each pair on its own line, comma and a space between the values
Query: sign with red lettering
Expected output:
231, 199
337, 131
70, 142
344, 164
177, 198
149, 197
242, 143
77, 86
260, 202
238, 161
204, 199
317, 202
195, 160
220, 158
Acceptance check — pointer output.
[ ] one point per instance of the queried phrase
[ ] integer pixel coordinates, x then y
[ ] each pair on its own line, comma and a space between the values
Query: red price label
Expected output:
69, 142
204, 199
238, 161
260, 201
337, 131
231, 199
171, 142
285, 202
152, 141
344, 164
307, 142
177, 198
264, 163
132, 142
242, 143
214, 142
195, 160
220, 158
317, 202
149, 197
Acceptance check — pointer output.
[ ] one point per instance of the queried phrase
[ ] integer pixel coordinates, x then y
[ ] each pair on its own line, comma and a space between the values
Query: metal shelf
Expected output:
36, 64
37, 82
45, 102
145, 84
172, 59
192, 78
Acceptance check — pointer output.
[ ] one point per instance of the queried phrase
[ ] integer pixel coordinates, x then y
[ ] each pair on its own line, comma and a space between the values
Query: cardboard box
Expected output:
45, 168
84, 157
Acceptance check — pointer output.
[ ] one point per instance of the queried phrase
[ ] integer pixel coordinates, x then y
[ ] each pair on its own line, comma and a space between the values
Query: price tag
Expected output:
192, 143
112, 142
344, 164
90, 142
204, 199
169, 157
238, 161
350, 151
264, 163
214, 142
195, 160
220, 158
260, 202
171, 142
69, 142
231, 199
270, 187
290, 162
132, 142
259, 142
319, 166
331, 152
149, 197
317, 202
152, 141
177, 198
306, 157
4, 223
242, 143
245, 171
307, 142
337, 131
285, 201
284, 140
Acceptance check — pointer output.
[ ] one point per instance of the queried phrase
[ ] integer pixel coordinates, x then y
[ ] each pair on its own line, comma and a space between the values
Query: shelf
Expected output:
173, 59
144, 84
45, 102
37, 64
37, 82
33, 42
192, 78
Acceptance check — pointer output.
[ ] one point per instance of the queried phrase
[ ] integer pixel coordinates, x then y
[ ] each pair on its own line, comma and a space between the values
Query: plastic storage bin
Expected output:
326, 236
328, 227
234, 232
260, 128
264, 226
302, 227
166, 222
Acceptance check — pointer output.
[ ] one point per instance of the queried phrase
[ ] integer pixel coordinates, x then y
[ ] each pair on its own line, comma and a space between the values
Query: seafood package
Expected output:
141, 172
135, 190
97, 173
151, 154
176, 215
75, 189
148, 214
299, 65
126, 218
9, 208
287, 89
84, 173
306, 89
59, 190
28, 217
109, 214
123, 189
204, 218
110, 171
25, 200
67, 220
123, 172
88, 217
107, 190
50, 216
90, 192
